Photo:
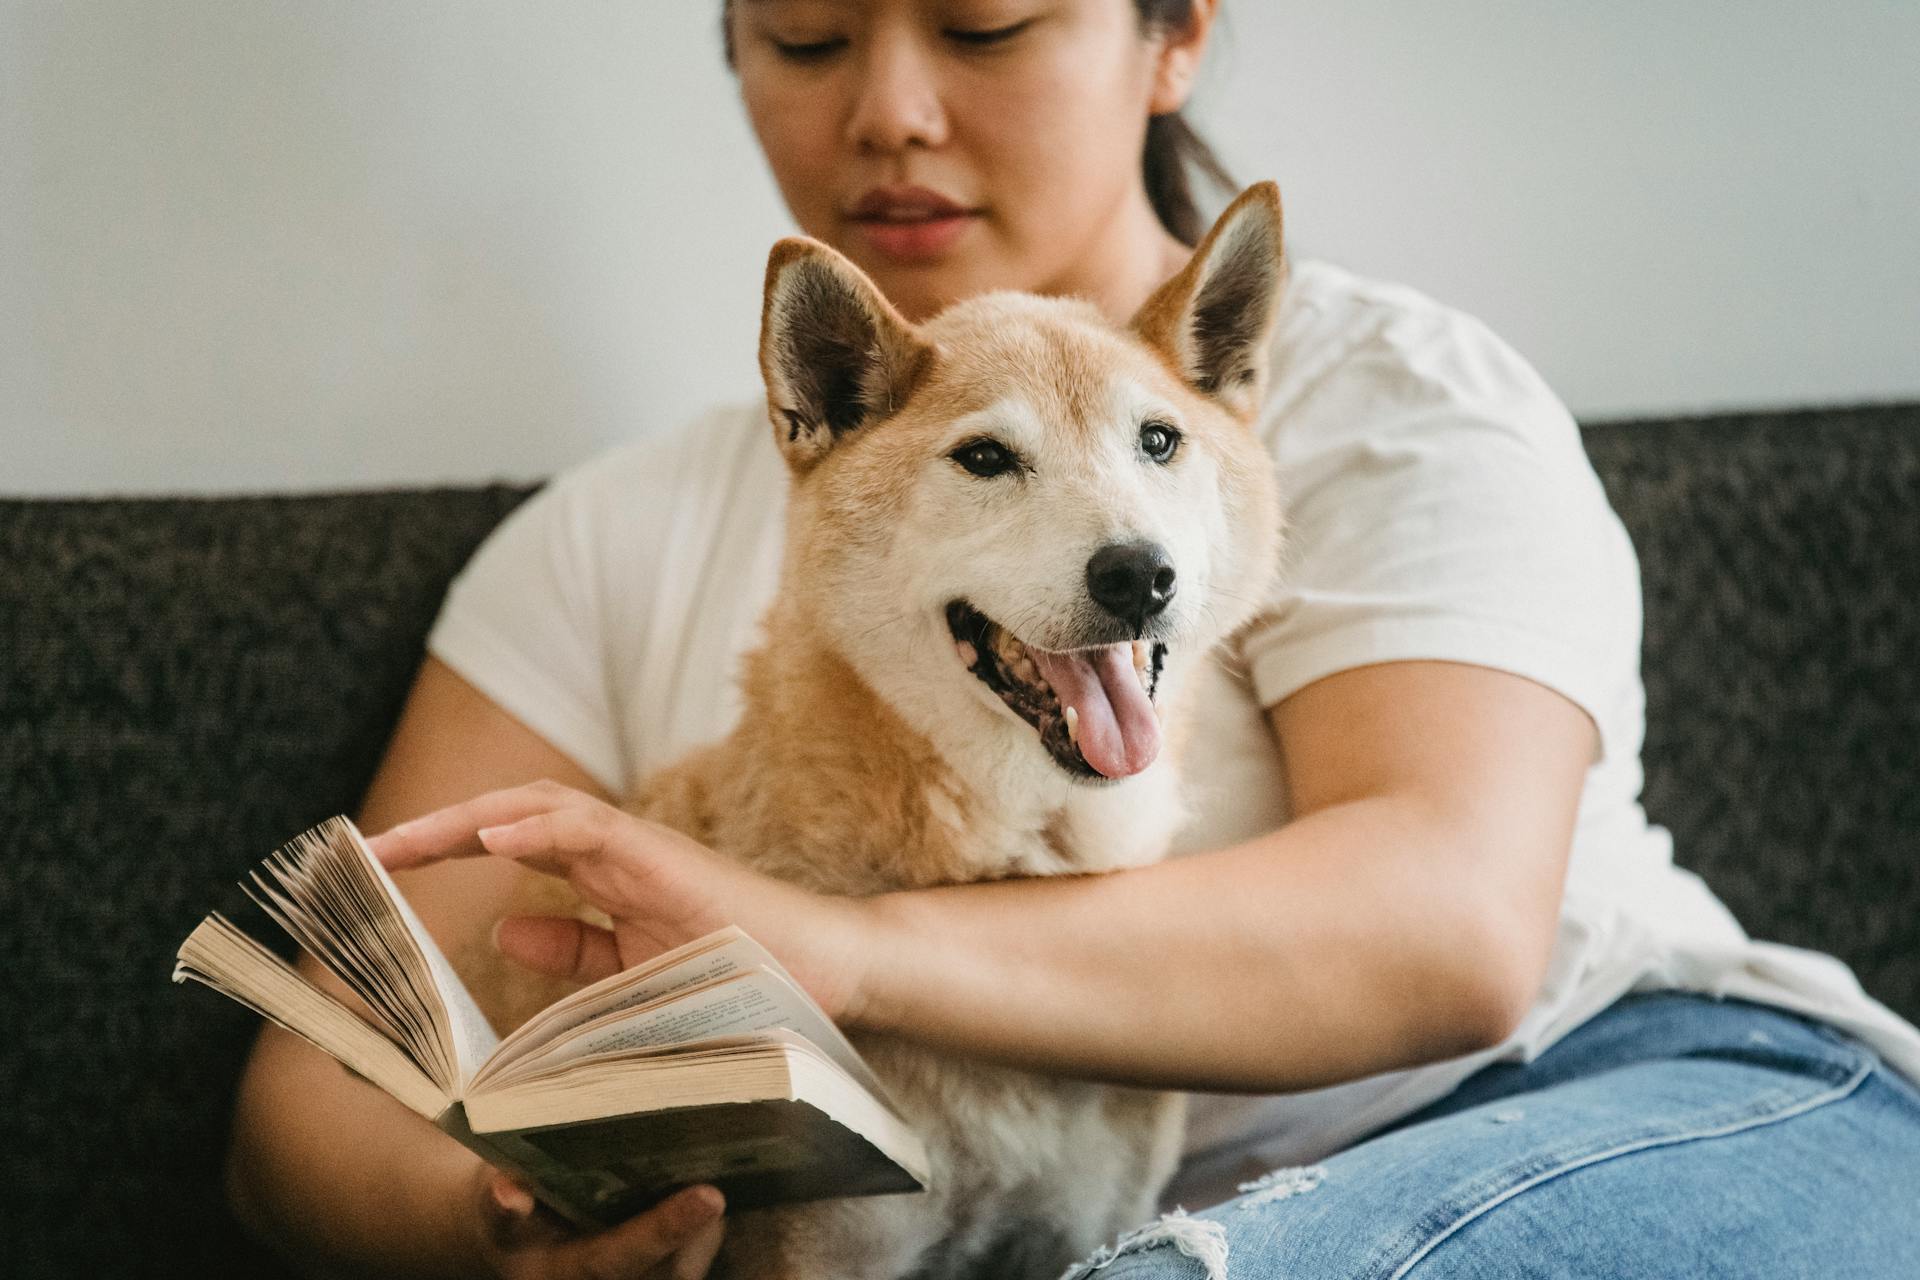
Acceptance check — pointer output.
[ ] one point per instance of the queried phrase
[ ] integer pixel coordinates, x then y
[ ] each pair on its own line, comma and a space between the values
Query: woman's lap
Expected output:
1673, 1135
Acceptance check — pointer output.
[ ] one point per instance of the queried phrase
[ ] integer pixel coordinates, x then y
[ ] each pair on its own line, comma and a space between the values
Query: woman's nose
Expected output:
897, 98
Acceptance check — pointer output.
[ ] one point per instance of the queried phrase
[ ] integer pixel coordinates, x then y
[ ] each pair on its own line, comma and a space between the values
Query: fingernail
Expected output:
493, 934
487, 834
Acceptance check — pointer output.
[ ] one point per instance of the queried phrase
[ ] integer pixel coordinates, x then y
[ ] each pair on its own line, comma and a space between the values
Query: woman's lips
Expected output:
909, 223
914, 239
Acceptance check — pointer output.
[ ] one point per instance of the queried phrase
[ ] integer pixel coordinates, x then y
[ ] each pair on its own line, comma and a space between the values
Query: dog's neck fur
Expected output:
825, 783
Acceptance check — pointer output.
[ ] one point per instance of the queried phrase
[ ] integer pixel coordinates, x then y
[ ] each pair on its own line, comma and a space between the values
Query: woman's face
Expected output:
950, 147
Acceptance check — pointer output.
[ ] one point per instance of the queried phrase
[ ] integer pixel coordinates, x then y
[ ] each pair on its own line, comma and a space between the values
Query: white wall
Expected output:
283, 244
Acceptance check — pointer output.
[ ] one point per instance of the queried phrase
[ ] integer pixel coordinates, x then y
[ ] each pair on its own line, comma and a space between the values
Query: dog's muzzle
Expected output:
1093, 708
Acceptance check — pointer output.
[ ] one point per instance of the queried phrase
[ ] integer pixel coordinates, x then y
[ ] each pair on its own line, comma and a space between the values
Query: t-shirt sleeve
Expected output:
1440, 505
523, 623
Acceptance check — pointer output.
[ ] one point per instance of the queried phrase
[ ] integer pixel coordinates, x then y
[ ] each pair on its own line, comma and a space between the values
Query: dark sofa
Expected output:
186, 683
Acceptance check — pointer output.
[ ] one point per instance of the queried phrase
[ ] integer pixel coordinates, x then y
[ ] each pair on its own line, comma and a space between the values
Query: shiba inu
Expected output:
1012, 532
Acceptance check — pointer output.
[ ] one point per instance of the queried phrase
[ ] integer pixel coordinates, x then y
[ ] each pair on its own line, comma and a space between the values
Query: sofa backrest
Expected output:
186, 683
1780, 560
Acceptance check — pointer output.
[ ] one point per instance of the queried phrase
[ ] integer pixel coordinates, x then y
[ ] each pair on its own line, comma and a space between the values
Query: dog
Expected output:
1012, 533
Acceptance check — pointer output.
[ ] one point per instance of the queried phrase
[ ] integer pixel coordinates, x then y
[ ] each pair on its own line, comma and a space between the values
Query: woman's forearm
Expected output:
1357, 939
341, 1178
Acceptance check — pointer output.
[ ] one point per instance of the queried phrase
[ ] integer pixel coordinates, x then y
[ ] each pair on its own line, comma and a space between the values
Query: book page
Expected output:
720, 954
329, 892
757, 999
473, 1036
220, 956
711, 1055
706, 959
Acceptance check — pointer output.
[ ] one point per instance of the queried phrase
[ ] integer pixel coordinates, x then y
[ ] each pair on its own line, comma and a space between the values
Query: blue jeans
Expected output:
1671, 1136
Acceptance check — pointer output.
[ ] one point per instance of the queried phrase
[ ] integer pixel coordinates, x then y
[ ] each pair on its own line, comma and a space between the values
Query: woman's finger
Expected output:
511, 1216
645, 1240
554, 840
604, 853
696, 1257
512, 1199
611, 859
556, 945
449, 832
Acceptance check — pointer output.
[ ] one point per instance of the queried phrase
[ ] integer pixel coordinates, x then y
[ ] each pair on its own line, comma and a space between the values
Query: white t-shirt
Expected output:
1440, 505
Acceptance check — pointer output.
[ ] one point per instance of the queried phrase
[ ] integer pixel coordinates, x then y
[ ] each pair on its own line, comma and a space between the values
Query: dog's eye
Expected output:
1158, 440
986, 458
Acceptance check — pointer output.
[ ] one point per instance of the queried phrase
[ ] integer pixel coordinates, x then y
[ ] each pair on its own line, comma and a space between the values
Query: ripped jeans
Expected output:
1670, 1136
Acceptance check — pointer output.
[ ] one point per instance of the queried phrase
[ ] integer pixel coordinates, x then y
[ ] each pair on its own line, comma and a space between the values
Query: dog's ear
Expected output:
1214, 319
835, 354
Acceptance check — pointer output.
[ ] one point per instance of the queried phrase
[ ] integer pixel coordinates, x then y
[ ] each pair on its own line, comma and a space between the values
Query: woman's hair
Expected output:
1174, 151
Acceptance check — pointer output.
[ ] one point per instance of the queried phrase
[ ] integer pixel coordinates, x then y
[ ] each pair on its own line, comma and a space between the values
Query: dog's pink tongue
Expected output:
1118, 732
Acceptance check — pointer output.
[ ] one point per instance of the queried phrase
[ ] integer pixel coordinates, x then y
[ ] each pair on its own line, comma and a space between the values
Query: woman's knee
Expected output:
1680, 1168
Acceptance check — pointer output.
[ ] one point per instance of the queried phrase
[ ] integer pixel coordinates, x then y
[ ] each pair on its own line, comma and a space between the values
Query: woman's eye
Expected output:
1158, 441
809, 50
985, 458
991, 36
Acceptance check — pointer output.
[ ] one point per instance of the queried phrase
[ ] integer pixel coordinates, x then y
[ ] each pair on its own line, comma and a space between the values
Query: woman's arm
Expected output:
332, 1171
1405, 914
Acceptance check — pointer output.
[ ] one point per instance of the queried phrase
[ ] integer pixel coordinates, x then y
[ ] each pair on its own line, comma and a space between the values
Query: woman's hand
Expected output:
659, 887
674, 1240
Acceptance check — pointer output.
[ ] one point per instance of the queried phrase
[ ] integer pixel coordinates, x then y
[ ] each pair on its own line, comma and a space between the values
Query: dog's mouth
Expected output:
1093, 708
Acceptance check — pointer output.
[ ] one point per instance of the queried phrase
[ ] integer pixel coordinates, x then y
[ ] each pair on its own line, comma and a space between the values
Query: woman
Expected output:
1420, 892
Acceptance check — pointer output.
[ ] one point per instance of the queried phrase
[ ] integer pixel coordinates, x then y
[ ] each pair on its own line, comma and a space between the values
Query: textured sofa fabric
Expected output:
1780, 558
184, 684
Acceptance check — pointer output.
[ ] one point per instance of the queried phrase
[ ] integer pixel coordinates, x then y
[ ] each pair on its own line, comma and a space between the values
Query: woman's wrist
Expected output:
891, 944
850, 948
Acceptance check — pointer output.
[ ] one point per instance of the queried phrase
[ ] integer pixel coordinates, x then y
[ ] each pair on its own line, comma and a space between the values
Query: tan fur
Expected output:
833, 782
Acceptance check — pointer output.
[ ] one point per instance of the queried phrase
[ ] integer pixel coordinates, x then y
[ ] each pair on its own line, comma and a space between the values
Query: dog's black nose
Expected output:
1131, 580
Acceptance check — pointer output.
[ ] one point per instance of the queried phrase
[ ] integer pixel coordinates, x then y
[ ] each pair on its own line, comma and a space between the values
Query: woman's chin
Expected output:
921, 283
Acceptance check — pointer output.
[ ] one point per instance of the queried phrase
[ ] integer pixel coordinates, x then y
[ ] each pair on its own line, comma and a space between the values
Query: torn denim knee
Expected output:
1201, 1239
1197, 1238
1281, 1183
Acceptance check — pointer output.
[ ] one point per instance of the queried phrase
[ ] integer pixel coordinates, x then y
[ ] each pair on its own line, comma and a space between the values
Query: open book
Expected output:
707, 1064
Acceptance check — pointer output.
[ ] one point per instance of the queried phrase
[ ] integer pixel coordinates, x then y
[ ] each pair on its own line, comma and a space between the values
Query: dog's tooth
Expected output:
968, 654
1073, 725
1140, 654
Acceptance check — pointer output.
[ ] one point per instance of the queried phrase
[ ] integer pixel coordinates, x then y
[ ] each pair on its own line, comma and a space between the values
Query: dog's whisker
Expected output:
884, 623
1220, 659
